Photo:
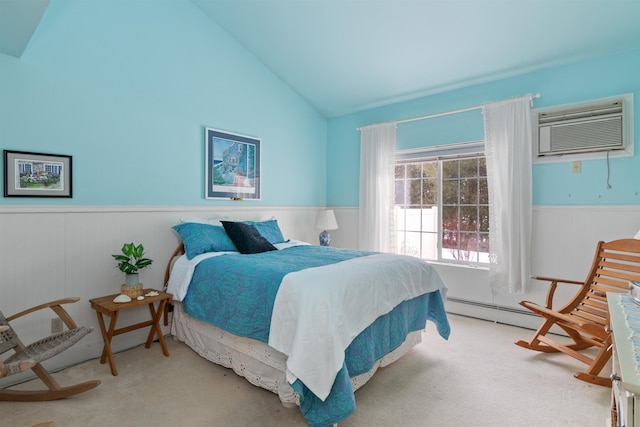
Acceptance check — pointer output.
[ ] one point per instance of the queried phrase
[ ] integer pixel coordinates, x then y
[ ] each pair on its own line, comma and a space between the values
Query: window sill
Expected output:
457, 265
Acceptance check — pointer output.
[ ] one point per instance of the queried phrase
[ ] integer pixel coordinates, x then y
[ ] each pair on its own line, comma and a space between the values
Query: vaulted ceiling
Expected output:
18, 21
347, 55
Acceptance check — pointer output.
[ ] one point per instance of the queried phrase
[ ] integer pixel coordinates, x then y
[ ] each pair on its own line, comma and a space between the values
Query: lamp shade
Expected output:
326, 220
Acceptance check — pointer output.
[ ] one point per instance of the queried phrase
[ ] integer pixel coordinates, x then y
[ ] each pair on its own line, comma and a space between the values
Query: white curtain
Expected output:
507, 128
377, 163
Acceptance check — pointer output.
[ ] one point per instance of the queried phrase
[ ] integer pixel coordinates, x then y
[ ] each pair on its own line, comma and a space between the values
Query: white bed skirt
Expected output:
254, 360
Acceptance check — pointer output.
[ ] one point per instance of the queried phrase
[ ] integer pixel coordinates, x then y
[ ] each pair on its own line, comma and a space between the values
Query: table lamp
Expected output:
326, 220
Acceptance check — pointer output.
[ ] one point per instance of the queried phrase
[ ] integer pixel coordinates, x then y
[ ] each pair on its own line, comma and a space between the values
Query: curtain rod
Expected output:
445, 113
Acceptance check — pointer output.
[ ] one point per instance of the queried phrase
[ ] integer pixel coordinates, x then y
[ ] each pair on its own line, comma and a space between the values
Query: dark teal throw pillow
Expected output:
247, 238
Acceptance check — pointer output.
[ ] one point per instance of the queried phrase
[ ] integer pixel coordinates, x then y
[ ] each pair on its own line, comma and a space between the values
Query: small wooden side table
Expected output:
104, 306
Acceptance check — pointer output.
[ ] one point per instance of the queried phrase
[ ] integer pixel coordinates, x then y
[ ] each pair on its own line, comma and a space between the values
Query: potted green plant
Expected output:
130, 261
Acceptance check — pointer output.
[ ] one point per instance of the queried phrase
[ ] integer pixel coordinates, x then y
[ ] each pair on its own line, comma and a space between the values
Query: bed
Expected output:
309, 323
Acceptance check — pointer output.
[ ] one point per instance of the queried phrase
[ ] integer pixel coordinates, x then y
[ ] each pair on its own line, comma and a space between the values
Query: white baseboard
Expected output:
493, 313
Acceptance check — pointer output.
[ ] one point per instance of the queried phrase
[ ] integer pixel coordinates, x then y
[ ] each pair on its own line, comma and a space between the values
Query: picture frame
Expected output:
28, 174
232, 166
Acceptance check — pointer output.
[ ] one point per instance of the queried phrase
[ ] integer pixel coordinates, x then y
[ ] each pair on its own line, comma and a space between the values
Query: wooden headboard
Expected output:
179, 251
169, 307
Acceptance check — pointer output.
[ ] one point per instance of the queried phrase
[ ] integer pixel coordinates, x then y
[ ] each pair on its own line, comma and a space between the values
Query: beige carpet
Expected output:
477, 378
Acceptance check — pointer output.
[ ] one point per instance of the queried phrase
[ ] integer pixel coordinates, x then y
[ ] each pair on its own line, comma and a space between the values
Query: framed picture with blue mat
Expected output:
232, 169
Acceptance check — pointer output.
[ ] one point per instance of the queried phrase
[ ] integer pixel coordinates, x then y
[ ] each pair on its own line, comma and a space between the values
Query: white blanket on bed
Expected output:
319, 311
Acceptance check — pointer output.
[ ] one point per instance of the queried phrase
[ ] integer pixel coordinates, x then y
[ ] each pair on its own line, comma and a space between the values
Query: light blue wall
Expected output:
553, 184
127, 89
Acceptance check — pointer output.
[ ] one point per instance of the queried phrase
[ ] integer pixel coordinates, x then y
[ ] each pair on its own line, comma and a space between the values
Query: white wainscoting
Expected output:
51, 252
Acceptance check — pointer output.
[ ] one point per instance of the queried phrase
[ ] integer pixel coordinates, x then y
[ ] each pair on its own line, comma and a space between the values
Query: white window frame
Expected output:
440, 153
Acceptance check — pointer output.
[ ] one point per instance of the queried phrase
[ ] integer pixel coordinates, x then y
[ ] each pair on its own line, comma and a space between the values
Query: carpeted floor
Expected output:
476, 378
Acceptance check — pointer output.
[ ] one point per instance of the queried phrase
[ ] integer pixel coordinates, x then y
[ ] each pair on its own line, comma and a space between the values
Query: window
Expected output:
442, 208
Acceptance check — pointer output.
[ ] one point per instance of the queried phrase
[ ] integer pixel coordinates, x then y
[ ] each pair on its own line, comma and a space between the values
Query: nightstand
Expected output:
104, 306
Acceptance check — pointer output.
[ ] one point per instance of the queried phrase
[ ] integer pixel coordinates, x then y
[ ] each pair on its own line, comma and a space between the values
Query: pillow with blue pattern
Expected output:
202, 238
268, 229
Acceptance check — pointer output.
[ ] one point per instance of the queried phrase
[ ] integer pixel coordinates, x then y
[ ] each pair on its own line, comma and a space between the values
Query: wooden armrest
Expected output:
551, 279
552, 287
56, 306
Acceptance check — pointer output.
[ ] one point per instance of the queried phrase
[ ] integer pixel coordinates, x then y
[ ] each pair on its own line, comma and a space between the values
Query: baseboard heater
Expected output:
491, 306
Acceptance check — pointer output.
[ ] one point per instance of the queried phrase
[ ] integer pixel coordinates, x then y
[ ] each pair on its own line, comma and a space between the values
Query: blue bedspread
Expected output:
237, 293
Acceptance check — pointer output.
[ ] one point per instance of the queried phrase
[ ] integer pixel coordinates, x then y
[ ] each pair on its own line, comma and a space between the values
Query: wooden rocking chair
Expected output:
29, 357
586, 317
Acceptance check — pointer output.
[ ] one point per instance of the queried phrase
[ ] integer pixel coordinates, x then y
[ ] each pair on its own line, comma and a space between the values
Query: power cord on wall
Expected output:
608, 170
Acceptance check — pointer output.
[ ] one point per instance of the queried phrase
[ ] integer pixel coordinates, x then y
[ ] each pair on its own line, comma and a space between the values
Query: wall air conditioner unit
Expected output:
584, 128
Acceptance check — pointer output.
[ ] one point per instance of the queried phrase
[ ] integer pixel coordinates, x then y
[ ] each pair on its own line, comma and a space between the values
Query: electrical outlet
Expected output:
56, 325
576, 166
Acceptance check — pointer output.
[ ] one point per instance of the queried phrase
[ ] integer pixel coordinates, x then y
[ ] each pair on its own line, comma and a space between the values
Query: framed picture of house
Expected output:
232, 168
37, 174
